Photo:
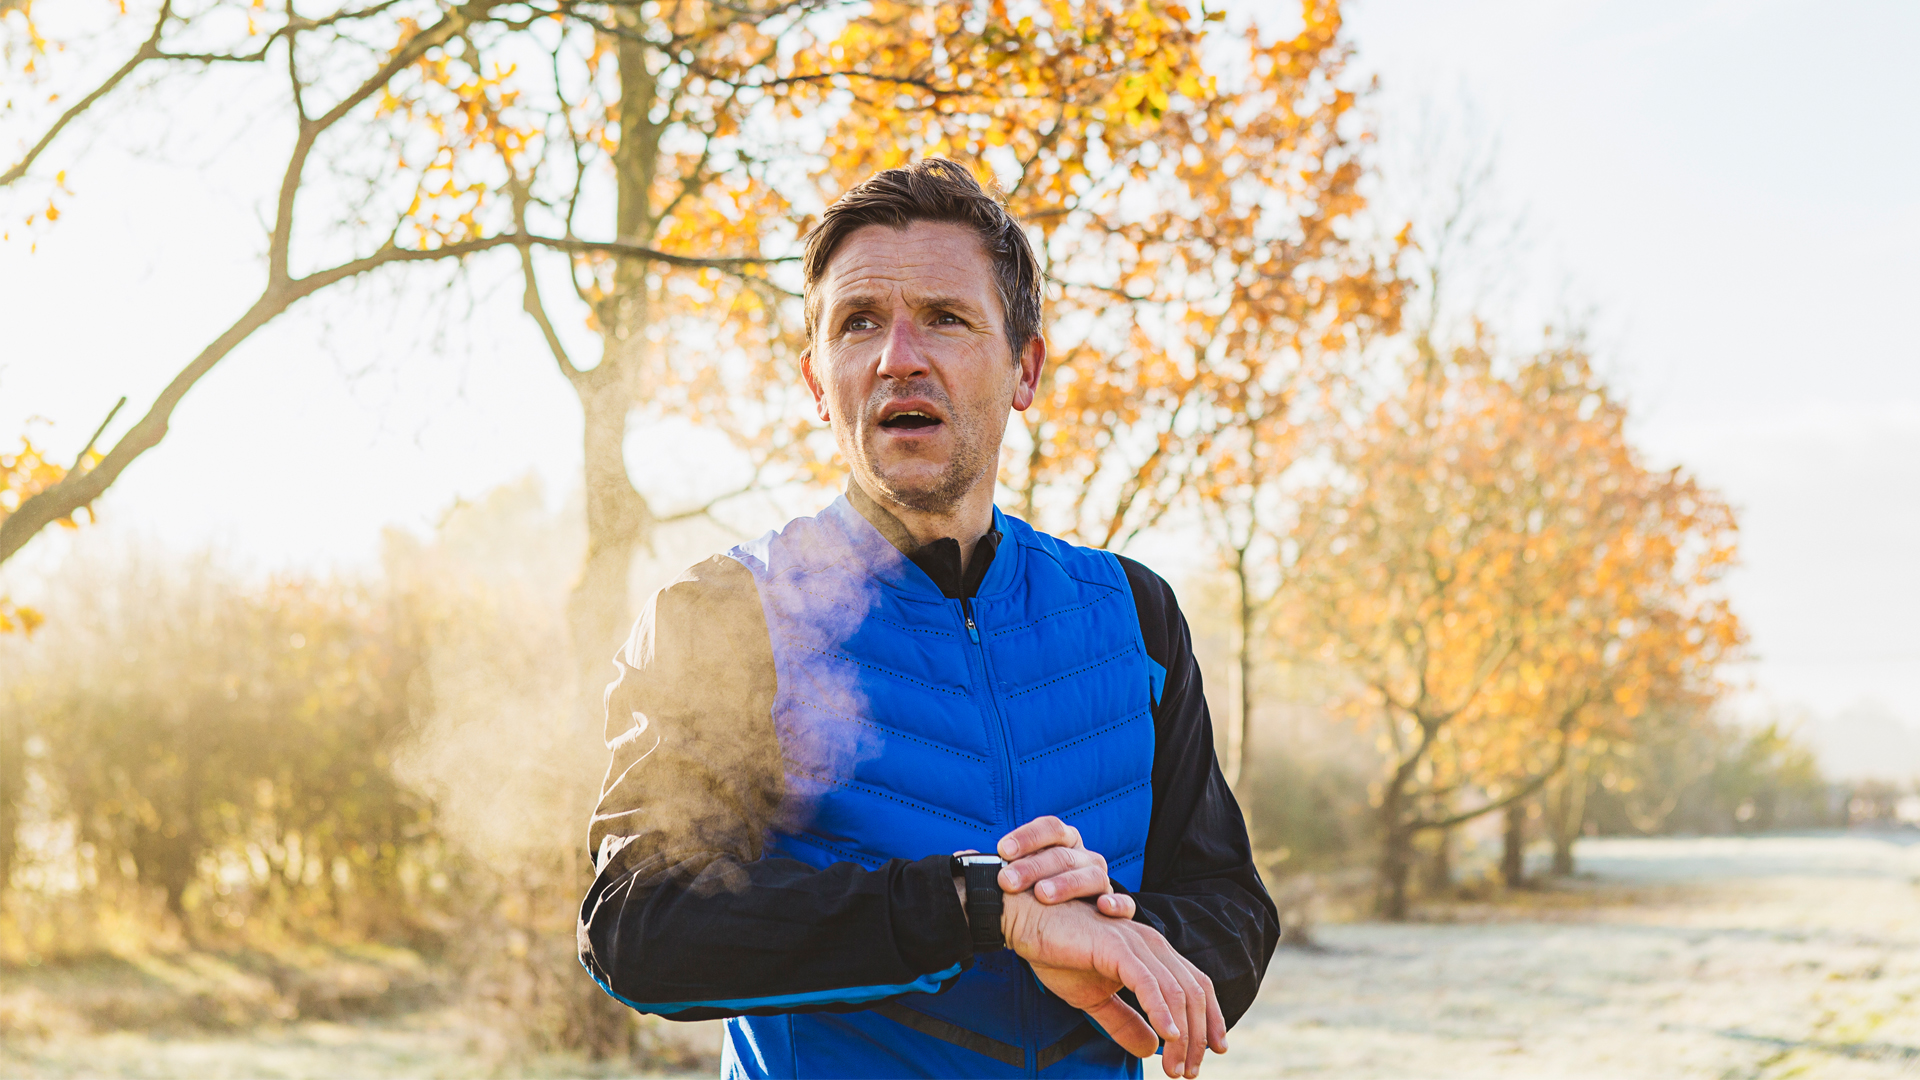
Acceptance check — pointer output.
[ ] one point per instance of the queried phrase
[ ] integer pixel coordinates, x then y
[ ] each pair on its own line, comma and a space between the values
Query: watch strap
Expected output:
984, 901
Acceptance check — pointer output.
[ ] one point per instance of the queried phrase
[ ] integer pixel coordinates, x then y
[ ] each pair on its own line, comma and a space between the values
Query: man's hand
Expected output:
1046, 855
1085, 958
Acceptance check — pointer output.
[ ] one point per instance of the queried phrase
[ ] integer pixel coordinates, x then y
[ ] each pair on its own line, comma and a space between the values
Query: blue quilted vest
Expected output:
905, 733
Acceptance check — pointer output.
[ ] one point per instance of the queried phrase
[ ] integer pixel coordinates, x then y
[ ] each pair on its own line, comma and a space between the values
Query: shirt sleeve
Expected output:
1199, 887
685, 917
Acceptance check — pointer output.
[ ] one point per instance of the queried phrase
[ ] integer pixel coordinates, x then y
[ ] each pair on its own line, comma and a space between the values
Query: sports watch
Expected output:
982, 874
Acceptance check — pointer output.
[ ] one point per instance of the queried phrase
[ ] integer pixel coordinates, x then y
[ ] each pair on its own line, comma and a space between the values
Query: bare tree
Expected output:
331, 115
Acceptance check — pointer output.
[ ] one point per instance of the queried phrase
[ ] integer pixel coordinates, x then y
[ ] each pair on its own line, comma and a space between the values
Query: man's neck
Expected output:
910, 530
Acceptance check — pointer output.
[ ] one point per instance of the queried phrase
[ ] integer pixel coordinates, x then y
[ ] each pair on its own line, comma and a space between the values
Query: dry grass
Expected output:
213, 991
313, 1011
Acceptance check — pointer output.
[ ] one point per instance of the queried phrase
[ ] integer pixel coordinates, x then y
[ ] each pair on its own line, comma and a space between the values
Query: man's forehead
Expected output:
925, 258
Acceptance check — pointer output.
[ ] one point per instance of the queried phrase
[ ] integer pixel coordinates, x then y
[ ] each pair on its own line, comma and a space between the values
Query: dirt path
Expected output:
1762, 958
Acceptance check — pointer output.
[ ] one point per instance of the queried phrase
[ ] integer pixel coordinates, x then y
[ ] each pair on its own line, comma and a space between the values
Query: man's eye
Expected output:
861, 322
946, 319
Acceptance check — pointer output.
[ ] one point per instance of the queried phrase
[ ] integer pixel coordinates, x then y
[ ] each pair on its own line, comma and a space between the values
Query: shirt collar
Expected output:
939, 559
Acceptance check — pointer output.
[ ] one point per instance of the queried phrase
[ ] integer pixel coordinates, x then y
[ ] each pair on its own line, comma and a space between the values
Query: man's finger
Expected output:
1205, 1022
1126, 1027
1171, 1012
1209, 1019
1183, 1060
1045, 863
1087, 882
1216, 1020
1137, 972
1196, 1017
1117, 905
1041, 832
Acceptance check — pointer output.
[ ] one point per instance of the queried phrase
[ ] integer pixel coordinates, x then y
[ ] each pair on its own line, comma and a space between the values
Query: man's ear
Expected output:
1032, 358
814, 386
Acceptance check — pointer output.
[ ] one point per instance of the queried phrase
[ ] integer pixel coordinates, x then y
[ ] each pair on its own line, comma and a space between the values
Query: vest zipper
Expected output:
993, 706
1026, 1002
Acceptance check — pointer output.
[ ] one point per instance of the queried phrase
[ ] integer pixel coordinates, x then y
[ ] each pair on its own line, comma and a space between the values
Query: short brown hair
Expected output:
934, 189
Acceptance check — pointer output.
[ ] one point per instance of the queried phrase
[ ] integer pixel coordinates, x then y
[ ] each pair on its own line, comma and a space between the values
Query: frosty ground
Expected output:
1768, 957
1757, 957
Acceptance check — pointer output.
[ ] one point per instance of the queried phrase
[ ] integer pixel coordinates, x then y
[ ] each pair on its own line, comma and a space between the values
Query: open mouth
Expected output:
912, 420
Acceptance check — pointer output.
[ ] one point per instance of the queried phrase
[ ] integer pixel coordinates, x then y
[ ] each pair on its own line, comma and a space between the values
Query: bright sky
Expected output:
1732, 188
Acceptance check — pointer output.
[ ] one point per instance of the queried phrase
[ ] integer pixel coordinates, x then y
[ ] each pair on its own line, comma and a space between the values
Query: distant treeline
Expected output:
1308, 795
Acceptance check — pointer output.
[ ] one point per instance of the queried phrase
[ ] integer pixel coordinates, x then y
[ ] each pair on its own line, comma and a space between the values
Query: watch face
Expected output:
981, 860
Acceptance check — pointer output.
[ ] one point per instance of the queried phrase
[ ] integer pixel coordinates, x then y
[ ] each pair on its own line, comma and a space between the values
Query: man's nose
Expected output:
902, 355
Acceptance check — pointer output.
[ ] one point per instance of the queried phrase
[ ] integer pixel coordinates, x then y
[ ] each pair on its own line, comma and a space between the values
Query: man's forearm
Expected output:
700, 935
1222, 931
1200, 887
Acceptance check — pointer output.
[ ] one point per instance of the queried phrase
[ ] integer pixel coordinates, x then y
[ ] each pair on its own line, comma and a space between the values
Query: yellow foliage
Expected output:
24, 473
1505, 579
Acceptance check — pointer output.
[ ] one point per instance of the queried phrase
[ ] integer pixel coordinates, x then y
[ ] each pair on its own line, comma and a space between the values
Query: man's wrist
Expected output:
981, 899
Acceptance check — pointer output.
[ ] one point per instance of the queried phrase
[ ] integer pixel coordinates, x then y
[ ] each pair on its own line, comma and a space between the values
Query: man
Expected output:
806, 730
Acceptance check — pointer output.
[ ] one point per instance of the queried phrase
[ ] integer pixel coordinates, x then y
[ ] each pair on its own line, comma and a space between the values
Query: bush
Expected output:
1696, 775
189, 755
219, 748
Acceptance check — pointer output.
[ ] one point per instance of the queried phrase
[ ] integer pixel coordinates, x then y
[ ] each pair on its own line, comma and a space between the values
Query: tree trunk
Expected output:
1396, 866
1563, 852
1396, 831
619, 521
1563, 865
13, 789
1241, 728
1566, 813
1396, 850
1513, 848
1440, 863
618, 524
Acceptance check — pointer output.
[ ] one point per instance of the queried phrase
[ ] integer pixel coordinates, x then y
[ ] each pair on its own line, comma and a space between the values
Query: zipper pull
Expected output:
972, 630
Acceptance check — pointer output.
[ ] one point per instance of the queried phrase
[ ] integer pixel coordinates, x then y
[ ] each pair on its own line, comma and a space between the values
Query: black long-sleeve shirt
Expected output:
684, 908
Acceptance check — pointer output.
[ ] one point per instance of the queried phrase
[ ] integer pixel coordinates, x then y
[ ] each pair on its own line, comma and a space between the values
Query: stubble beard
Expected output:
972, 459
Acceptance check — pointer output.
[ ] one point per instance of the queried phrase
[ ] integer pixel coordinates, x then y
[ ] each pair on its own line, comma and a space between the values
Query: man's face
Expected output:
910, 362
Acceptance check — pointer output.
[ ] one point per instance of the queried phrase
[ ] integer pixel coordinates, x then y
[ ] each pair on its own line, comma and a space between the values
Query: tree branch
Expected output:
752, 485
530, 299
1524, 791
1404, 770
81, 459
147, 51
75, 492
295, 24
293, 66
1489, 667
320, 279
253, 57
404, 56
